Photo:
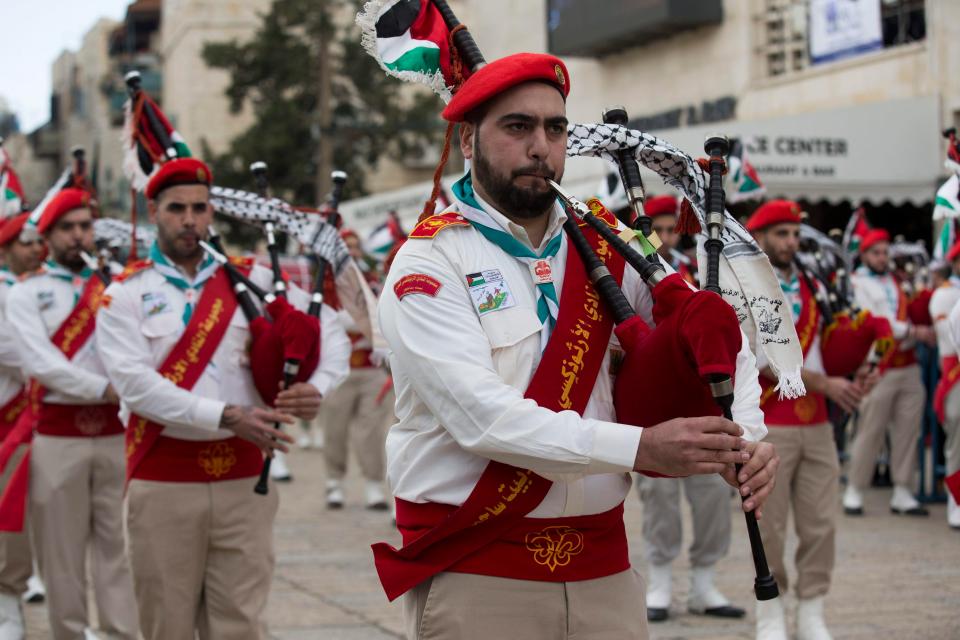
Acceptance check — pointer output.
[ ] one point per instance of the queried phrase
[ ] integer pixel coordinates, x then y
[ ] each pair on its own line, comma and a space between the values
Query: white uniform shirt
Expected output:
36, 307
11, 365
942, 301
879, 294
460, 379
953, 322
142, 323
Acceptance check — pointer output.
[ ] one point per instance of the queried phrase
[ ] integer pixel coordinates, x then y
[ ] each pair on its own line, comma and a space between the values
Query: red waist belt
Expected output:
78, 420
901, 359
545, 549
176, 460
360, 358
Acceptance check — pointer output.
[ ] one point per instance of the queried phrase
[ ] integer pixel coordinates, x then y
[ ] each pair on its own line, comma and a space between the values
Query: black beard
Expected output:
75, 263
169, 248
508, 198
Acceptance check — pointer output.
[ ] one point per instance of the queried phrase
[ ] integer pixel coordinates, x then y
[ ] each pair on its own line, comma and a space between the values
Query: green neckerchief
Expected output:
547, 302
791, 291
76, 280
7, 276
178, 279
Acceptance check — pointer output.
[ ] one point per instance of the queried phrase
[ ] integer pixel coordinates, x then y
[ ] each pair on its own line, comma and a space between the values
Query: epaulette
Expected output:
434, 224
133, 269
26, 275
602, 212
241, 262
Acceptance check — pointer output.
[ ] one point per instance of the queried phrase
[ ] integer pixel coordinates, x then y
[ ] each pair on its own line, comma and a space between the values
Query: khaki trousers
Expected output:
202, 558
76, 502
709, 498
351, 412
951, 426
16, 560
807, 483
897, 402
461, 606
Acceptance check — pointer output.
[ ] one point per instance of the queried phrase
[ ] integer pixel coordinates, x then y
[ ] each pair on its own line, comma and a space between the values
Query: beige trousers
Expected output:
351, 413
951, 426
16, 560
76, 502
202, 558
709, 498
896, 402
807, 483
461, 606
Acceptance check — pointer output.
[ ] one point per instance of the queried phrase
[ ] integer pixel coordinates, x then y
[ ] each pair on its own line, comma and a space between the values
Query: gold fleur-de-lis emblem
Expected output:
554, 546
217, 459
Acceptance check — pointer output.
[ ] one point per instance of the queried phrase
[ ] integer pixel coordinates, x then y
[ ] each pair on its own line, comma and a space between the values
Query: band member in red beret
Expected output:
509, 475
20, 253
200, 539
897, 400
803, 435
663, 213
76, 461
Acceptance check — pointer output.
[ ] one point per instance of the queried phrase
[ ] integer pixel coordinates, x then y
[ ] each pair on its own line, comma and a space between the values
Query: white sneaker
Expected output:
771, 622
335, 497
278, 468
706, 599
318, 439
305, 441
88, 634
810, 624
35, 592
11, 618
903, 503
852, 501
375, 498
953, 512
659, 588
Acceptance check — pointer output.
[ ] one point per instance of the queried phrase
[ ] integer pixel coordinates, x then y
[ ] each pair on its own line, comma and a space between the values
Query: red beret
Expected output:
348, 233
11, 229
61, 204
774, 212
502, 74
178, 171
872, 237
660, 206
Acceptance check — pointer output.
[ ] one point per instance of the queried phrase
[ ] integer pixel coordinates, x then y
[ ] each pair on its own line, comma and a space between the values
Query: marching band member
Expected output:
22, 253
511, 512
76, 461
897, 399
175, 344
946, 400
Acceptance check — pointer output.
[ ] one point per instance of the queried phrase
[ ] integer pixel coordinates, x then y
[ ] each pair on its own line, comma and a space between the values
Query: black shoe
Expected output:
726, 611
913, 511
853, 511
656, 614
378, 506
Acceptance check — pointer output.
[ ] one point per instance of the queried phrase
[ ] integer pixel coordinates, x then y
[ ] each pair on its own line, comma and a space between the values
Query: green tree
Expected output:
318, 99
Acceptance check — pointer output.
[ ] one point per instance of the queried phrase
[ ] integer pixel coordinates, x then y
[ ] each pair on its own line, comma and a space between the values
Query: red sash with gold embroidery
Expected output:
10, 411
438, 537
184, 365
69, 337
808, 409
897, 358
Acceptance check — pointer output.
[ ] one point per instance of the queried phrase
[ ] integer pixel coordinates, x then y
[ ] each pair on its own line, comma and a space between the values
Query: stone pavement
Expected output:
895, 578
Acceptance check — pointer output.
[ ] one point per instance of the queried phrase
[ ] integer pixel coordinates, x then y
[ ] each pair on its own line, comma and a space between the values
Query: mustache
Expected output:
539, 169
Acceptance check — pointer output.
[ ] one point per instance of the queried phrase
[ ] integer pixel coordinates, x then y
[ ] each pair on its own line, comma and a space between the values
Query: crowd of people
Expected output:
140, 405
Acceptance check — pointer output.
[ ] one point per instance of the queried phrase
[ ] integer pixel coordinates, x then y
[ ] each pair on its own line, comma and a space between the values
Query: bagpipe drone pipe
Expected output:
697, 336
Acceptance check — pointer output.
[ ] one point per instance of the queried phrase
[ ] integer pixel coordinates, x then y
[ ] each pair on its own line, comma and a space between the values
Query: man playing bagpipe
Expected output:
800, 429
21, 252
898, 398
177, 348
508, 467
946, 401
76, 459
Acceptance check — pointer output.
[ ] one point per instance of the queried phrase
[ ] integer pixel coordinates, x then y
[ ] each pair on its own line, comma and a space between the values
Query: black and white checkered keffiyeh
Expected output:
312, 231
747, 281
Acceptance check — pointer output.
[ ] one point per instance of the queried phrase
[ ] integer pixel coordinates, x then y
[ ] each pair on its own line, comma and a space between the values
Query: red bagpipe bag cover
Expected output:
293, 335
847, 341
664, 371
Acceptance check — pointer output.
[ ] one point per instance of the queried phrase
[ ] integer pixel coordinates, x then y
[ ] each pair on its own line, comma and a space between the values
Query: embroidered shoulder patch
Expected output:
416, 283
133, 269
602, 212
237, 261
435, 224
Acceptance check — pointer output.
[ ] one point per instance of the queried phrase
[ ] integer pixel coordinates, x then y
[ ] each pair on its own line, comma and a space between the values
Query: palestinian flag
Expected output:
947, 207
744, 182
475, 279
409, 39
384, 238
856, 229
144, 148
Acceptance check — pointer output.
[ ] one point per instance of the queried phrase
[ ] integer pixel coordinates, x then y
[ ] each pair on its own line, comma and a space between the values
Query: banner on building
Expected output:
843, 28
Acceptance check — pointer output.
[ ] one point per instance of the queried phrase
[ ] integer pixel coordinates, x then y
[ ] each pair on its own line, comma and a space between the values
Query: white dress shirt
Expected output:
879, 294
942, 301
11, 365
460, 379
142, 323
36, 307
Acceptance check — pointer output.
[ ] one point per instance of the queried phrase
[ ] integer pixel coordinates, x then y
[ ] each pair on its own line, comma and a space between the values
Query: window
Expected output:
783, 30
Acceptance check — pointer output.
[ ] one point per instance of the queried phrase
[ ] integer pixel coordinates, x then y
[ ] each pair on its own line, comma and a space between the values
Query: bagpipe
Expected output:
696, 338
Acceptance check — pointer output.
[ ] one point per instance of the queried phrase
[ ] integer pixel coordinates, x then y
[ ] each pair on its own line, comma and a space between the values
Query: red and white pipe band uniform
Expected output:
941, 303
460, 381
139, 325
11, 365
882, 296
